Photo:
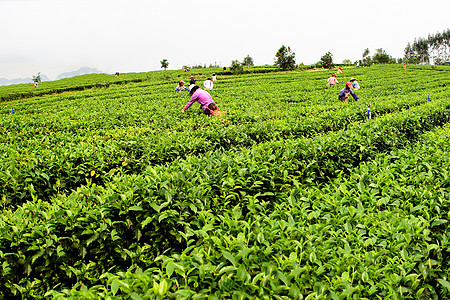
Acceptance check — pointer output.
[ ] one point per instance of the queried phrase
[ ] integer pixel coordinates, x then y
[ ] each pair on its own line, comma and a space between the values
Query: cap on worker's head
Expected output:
181, 81
334, 75
349, 84
191, 77
352, 79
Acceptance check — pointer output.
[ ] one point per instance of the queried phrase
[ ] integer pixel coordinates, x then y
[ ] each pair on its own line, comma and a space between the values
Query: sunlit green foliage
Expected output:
110, 191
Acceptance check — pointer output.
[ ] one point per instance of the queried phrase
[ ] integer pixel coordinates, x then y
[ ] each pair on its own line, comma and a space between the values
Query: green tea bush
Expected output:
113, 193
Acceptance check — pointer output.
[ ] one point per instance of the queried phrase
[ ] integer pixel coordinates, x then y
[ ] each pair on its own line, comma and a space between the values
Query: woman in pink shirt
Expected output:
203, 97
332, 80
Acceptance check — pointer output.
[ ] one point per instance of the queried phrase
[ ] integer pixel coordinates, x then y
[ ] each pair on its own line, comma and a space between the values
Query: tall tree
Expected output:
409, 54
435, 48
365, 52
285, 58
164, 64
367, 60
439, 47
37, 78
420, 48
327, 60
381, 57
236, 67
248, 61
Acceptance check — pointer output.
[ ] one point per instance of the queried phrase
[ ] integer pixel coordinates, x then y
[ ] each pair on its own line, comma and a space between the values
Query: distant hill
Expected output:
4, 81
81, 71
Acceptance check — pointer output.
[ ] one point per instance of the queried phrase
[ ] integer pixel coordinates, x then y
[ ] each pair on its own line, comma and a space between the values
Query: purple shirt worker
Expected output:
203, 97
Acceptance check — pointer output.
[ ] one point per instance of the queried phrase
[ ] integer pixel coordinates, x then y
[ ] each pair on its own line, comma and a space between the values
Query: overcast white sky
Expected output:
57, 36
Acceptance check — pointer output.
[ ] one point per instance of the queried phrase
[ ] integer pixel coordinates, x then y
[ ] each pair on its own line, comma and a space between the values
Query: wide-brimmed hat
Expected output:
192, 86
352, 79
349, 84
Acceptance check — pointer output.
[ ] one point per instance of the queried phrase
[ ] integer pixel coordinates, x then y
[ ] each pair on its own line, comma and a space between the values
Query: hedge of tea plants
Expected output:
123, 128
112, 192
85, 82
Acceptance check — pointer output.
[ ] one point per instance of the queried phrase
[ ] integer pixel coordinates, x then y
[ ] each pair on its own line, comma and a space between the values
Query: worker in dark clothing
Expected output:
346, 92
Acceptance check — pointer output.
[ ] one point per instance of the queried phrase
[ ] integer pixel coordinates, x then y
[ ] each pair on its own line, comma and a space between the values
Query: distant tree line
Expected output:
435, 48
380, 57
202, 66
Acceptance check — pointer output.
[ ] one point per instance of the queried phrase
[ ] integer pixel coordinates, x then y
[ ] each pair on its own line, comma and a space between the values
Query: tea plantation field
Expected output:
108, 191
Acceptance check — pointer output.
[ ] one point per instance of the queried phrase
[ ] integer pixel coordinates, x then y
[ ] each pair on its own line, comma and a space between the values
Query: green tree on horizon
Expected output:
381, 57
37, 78
366, 59
285, 58
248, 61
435, 48
327, 60
164, 64
365, 52
236, 67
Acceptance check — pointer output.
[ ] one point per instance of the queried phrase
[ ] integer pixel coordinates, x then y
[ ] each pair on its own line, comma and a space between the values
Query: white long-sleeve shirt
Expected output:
208, 84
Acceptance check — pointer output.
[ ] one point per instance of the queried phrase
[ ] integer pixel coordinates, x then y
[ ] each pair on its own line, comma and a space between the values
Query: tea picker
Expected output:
369, 115
346, 92
205, 100
181, 87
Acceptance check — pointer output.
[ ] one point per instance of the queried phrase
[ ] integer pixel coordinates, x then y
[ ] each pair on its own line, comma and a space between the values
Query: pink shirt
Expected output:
332, 80
202, 97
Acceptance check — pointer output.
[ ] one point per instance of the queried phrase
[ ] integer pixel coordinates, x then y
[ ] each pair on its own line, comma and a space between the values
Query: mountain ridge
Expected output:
81, 71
